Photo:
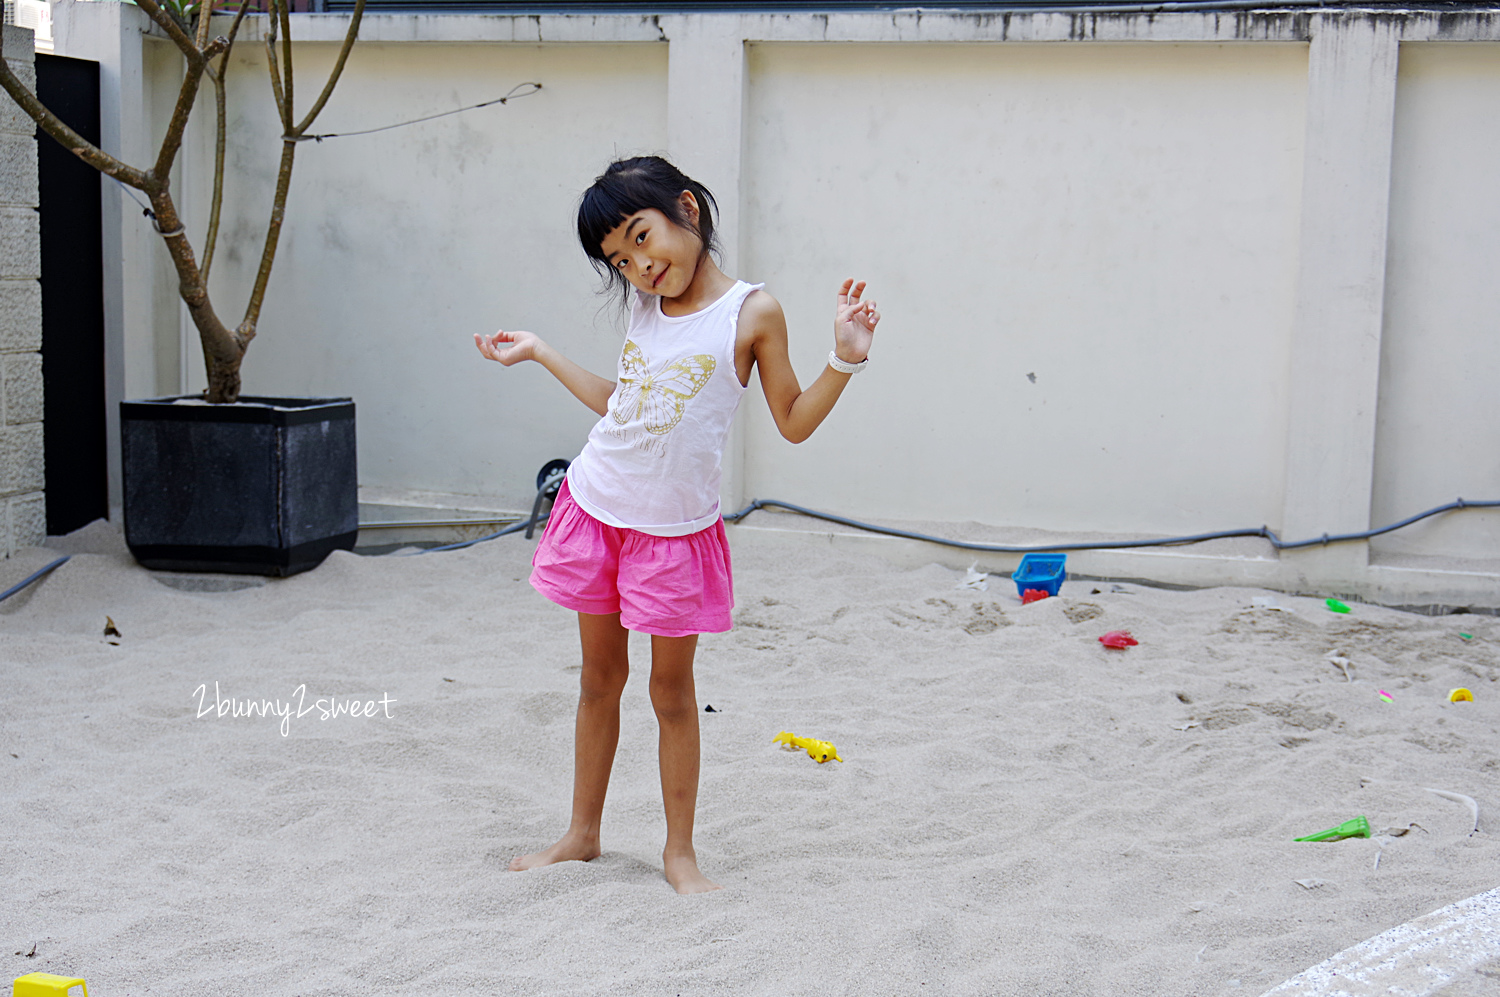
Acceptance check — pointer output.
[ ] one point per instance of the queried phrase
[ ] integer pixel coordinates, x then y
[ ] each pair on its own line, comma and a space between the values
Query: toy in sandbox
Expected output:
818, 751
1356, 827
1039, 576
46, 985
1118, 639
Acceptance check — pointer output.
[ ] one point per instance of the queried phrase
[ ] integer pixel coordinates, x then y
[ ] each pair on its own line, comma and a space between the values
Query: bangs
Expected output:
600, 213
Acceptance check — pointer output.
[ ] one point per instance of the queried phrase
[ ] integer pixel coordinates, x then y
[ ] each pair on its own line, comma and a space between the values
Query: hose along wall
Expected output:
549, 489
550, 485
1262, 531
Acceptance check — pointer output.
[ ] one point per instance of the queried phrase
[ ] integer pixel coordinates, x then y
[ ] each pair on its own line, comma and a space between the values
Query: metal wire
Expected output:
516, 93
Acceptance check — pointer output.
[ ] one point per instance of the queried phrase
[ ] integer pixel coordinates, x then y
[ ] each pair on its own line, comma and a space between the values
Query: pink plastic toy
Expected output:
1118, 638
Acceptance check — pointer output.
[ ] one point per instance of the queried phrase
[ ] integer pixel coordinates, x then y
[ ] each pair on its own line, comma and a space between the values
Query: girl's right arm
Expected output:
512, 347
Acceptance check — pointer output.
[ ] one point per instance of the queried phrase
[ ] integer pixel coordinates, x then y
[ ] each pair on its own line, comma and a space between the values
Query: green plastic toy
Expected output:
1359, 827
1337, 607
1467, 636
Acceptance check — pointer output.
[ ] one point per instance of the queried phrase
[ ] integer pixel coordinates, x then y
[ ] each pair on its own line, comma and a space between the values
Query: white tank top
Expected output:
652, 462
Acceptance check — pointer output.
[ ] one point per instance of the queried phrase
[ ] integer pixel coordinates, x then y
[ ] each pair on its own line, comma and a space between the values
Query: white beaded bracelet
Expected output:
844, 366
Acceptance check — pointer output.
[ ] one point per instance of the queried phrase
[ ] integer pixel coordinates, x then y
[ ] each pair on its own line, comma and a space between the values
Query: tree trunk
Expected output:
223, 350
224, 379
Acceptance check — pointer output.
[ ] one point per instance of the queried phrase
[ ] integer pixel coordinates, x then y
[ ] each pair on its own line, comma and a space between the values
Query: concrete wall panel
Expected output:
21, 467
21, 386
27, 519
1085, 256
1438, 433
18, 167
20, 315
12, 118
20, 241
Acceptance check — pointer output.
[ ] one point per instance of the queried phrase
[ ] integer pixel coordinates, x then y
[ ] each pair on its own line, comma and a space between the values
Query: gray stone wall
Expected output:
23, 511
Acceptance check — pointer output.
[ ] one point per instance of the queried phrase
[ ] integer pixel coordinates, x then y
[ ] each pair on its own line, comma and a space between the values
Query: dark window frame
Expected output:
841, 6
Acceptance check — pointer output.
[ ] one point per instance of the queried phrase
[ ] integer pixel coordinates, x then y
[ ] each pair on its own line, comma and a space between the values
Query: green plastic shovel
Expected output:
1358, 827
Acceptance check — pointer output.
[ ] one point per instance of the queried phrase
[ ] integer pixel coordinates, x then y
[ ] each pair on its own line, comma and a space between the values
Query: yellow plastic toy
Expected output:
46, 985
1460, 696
818, 751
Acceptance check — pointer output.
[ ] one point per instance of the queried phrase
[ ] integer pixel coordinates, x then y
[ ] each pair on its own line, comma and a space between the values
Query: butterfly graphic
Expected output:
658, 399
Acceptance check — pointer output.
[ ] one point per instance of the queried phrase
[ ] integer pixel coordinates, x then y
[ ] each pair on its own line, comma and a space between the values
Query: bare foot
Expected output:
569, 849
682, 872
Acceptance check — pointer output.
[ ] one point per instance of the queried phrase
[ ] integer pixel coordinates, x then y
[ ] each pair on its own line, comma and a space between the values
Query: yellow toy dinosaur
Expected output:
818, 751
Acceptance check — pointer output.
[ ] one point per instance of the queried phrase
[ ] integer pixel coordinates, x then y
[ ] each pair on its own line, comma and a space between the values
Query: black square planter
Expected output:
265, 486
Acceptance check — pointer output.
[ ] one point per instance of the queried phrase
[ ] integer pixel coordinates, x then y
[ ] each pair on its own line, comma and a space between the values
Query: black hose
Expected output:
525, 524
1264, 531
18, 586
536, 512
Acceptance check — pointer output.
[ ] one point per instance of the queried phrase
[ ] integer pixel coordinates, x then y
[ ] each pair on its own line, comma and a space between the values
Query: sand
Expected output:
1020, 810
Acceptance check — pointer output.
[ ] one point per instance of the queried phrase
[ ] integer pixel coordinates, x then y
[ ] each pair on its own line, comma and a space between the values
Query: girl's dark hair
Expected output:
631, 185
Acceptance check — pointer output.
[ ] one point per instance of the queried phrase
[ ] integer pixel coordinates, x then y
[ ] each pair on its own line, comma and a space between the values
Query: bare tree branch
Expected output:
221, 124
218, 342
280, 8
246, 330
284, 7
172, 28
217, 202
205, 13
234, 29
67, 137
282, 106
192, 79
338, 68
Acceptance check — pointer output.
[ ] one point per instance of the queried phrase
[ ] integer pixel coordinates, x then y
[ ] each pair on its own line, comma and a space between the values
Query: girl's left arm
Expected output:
797, 412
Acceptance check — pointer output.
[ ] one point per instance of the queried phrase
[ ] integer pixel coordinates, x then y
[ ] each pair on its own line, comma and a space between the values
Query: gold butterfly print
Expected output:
659, 399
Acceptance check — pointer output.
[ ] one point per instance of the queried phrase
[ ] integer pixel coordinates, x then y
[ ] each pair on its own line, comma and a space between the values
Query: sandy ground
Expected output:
1020, 811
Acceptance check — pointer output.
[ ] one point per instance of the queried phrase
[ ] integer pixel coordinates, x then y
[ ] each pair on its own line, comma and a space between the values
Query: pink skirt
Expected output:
667, 586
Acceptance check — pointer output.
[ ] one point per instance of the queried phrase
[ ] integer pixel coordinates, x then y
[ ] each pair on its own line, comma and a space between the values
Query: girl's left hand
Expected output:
854, 323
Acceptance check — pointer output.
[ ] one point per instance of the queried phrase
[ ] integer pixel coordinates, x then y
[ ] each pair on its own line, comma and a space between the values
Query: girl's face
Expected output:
654, 253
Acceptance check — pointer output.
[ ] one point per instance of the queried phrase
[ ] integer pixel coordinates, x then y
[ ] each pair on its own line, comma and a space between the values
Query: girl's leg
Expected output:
676, 703
606, 665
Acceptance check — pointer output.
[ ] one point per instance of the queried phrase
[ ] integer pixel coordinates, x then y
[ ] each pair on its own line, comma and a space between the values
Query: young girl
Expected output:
635, 540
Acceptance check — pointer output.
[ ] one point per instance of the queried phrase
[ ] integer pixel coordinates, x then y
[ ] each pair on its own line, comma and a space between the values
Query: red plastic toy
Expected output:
1033, 595
1118, 638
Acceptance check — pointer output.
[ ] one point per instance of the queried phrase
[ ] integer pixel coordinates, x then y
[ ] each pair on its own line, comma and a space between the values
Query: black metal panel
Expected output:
72, 302
315, 497
251, 408
242, 560
214, 484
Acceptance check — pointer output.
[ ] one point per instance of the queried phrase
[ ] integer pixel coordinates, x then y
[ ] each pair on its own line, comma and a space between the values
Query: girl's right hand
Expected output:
508, 347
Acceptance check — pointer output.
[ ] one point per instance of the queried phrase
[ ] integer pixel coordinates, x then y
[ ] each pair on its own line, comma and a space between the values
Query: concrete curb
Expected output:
1413, 959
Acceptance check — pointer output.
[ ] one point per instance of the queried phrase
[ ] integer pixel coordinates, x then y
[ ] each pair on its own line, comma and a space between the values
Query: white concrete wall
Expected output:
1439, 421
1238, 254
1117, 222
23, 510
